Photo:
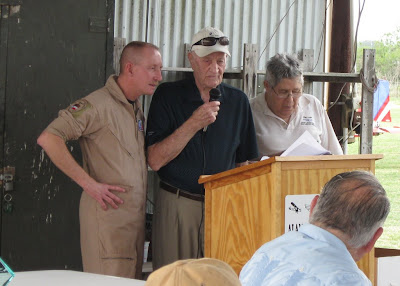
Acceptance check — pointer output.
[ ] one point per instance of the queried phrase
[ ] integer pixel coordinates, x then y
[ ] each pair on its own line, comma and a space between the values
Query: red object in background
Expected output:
381, 108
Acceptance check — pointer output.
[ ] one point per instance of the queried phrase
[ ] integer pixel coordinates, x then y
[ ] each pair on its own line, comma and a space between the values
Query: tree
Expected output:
387, 56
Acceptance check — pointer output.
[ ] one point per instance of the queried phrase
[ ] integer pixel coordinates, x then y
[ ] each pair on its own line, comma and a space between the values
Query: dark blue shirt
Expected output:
229, 140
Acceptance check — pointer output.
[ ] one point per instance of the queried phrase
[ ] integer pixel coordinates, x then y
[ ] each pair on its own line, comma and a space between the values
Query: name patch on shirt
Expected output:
78, 107
307, 120
140, 125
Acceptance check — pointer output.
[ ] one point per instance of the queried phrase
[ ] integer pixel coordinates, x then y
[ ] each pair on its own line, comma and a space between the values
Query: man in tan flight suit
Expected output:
109, 125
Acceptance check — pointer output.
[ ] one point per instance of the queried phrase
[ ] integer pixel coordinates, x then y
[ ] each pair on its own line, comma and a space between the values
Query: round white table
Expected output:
69, 278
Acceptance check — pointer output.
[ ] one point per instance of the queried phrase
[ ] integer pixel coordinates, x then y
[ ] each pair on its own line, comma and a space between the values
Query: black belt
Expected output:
181, 193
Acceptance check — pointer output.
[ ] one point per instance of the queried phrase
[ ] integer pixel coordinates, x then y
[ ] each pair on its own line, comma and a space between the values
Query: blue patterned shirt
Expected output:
311, 256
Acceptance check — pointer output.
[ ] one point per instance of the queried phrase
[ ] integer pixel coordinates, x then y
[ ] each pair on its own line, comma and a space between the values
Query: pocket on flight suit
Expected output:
123, 140
122, 229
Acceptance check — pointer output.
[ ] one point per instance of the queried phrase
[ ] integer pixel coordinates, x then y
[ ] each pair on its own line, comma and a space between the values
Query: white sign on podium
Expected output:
297, 211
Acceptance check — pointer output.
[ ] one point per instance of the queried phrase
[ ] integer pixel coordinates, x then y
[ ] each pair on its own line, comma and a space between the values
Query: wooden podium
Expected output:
244, 207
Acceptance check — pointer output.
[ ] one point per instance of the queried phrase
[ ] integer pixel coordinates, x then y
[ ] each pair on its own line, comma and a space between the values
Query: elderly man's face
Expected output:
283, 106
209, 70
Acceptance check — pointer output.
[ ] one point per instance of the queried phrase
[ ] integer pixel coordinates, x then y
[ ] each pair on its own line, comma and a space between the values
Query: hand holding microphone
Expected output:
215, 95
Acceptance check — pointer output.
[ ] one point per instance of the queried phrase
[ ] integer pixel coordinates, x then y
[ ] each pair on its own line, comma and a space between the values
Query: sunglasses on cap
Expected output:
211, 41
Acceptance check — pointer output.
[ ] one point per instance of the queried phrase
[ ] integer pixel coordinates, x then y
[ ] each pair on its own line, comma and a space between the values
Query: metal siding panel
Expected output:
171, 24
130, 19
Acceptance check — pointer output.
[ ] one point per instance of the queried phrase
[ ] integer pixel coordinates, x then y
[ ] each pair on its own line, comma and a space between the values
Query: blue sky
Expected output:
378, 18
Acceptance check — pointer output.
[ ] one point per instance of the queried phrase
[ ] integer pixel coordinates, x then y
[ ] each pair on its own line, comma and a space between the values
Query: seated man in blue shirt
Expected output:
345, 222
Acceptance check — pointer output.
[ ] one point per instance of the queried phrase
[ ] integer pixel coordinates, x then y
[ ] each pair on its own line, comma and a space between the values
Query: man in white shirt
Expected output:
284, 112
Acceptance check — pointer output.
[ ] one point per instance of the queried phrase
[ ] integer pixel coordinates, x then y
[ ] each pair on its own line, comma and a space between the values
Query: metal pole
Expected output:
345, 140
368, 79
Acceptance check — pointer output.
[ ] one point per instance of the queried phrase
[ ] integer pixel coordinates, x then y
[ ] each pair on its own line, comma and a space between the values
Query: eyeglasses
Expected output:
285, 94
211, 41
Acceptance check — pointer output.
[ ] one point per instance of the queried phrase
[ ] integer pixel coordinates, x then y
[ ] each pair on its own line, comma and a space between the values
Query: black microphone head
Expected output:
215, 94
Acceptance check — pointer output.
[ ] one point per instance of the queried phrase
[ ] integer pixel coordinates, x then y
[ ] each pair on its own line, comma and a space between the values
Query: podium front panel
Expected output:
244, 207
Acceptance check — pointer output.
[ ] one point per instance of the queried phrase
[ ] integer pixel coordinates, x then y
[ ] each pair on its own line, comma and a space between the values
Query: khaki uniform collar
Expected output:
114, 89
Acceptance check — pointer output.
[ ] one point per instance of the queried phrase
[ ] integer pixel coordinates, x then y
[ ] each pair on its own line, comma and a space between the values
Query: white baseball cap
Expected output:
205, 48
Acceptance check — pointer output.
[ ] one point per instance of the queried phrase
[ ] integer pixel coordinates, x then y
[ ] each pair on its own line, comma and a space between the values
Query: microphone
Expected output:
215, 95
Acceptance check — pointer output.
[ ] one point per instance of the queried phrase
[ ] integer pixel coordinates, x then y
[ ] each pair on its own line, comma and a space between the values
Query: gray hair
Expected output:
283, 66
354, 203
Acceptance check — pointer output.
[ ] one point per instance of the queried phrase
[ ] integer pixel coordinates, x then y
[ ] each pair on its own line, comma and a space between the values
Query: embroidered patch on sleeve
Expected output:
79, 107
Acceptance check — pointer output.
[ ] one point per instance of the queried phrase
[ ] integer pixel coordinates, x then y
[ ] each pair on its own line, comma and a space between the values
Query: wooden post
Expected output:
250, 58
119, 44
307, 57
369, 81
186, 62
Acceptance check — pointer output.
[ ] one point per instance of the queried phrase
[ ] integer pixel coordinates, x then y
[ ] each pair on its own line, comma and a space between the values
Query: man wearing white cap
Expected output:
190, 134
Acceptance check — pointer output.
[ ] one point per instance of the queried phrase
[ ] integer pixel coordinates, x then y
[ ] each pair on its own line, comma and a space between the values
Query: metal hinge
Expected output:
7, 178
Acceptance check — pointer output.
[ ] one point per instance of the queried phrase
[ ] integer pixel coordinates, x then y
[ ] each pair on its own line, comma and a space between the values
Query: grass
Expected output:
387, 170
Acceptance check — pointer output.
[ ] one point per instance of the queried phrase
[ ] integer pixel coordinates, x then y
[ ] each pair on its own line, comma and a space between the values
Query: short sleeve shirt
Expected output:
274, 135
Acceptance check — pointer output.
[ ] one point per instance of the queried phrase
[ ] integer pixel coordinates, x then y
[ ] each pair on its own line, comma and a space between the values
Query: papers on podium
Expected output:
305, 145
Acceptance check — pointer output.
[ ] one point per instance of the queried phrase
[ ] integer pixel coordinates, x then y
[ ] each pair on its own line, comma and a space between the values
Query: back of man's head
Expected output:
354, 203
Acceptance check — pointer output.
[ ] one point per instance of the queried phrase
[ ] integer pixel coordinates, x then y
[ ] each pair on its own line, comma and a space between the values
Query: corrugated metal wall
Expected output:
273, 25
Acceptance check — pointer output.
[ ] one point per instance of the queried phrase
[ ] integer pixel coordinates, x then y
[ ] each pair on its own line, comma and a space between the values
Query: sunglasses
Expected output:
211, 41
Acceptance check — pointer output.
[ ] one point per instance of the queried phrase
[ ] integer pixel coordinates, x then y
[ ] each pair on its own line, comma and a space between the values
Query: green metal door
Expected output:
51, 53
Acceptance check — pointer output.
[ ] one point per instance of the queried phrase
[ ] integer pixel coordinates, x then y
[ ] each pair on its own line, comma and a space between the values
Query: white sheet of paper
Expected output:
305, 145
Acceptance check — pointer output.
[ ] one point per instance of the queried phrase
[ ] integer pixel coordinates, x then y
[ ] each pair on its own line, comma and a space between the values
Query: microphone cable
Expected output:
215, 95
